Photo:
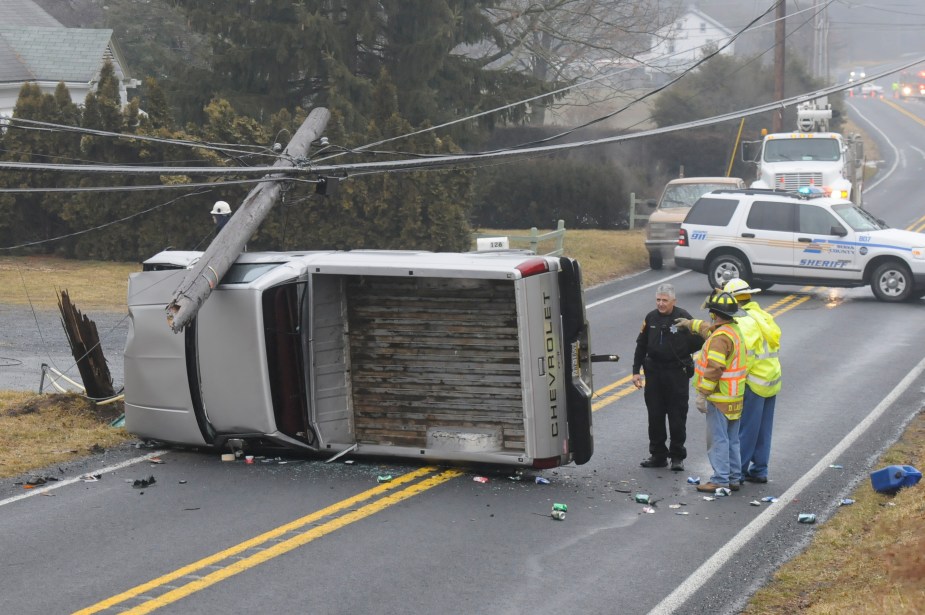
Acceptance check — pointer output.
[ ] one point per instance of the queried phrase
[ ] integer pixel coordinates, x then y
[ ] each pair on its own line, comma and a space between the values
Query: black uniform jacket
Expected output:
661, 344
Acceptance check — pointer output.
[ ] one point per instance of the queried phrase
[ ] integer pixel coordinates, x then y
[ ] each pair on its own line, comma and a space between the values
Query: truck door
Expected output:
823, 248
769, 231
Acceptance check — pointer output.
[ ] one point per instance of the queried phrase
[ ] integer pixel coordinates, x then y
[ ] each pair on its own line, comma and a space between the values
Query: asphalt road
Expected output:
215, 537
32, 339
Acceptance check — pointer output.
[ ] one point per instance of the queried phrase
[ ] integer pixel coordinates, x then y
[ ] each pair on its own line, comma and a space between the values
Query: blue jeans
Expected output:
724, 454
755, 433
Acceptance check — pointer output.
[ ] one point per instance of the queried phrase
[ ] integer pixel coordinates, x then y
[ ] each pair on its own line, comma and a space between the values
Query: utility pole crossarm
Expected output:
230, 241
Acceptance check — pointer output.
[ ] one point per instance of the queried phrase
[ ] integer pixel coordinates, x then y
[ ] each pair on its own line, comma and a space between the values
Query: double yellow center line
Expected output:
268, 545
918, 226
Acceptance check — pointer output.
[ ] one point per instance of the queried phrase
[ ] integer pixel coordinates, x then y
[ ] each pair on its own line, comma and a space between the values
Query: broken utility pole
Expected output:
230, 241
85, 346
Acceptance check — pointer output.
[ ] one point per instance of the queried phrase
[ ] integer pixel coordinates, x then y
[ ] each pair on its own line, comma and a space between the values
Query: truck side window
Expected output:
772, 216
712, 212
817, 221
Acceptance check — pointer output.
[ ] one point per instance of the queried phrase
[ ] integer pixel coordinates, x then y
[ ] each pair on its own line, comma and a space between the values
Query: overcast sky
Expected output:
861, 32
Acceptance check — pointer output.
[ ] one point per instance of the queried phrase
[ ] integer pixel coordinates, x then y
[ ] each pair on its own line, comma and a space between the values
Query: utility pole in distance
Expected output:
780, 31
229, 243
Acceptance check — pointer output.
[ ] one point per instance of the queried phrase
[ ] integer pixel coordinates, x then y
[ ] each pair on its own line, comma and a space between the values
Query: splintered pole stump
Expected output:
230, 241
86, 348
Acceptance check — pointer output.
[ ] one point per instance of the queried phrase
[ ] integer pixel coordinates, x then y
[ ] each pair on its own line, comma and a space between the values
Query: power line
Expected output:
451, 161
149, 187
567, 88
14, 122
101, 226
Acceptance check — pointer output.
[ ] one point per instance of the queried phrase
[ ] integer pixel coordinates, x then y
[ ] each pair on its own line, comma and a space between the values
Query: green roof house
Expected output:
34, 47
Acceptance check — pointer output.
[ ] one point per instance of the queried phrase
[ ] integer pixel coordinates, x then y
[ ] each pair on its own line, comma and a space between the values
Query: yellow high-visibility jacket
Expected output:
762, 338
721, 369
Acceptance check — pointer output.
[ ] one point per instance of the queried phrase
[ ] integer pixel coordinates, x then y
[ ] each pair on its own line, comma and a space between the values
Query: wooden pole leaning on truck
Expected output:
230, 241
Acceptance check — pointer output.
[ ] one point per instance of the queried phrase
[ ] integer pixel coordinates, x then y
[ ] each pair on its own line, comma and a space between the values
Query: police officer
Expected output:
664, 353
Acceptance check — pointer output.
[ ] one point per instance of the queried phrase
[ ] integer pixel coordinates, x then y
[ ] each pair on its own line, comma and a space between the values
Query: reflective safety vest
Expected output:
731, 386
762, 339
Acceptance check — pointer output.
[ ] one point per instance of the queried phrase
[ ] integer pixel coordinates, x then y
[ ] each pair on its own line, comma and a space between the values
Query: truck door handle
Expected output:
804, 239
750, 235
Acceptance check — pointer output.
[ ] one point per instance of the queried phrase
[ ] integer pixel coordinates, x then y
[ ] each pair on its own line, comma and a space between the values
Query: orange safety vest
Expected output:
731, 386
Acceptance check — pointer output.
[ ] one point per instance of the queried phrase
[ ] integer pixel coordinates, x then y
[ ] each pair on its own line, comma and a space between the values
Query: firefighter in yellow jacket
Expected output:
719, 380
763, 383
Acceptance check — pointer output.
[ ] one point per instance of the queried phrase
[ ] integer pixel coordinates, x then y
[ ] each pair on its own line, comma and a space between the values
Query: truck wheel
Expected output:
725, 267
655, 260
891, 281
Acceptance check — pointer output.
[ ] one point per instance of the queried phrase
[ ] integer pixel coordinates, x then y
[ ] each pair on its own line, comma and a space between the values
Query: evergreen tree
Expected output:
276, 54
33, 217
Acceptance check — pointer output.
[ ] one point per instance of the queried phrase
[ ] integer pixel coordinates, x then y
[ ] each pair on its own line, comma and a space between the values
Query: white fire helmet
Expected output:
221, 208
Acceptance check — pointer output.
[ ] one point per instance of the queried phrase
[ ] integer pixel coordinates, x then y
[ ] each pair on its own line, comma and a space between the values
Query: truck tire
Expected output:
892, 281
655, 260
725, 267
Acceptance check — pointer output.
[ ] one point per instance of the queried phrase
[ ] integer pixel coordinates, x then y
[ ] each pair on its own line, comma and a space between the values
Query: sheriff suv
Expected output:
767, 237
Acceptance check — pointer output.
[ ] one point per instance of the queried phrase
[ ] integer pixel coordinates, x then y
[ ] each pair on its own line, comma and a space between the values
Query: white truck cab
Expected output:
767, 237
809, 157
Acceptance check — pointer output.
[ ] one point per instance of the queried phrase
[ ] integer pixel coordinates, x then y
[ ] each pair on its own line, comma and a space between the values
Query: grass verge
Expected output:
92, 285
868, 558
37, 431
604, 255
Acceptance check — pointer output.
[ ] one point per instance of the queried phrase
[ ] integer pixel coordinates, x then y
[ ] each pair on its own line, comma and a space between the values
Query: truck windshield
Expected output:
243, 273
685, 195
780, 150
857, 218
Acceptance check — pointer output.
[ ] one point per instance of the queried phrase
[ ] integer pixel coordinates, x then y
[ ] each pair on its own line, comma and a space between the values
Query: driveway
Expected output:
29, 339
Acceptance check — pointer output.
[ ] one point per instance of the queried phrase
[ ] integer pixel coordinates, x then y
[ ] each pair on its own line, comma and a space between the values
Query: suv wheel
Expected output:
725, 267
655, 260
891, 281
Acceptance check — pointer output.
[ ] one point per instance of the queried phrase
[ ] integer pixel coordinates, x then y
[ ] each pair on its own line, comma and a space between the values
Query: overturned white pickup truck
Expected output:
475, 357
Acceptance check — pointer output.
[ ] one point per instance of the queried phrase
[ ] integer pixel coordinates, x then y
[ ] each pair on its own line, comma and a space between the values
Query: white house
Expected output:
35, 47
680, 45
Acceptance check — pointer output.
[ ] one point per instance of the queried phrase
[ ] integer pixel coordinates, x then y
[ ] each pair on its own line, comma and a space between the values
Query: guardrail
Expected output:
534, 239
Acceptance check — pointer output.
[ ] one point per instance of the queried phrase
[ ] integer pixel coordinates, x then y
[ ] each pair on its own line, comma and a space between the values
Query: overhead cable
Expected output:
750, 27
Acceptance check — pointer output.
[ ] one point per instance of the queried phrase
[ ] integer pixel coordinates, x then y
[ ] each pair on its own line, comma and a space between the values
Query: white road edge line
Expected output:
636, 289
695, 581
885, 138
71, 481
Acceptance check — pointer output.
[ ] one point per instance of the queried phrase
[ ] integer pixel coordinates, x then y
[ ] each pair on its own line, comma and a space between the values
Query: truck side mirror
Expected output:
651, 203
838, 231
750, 151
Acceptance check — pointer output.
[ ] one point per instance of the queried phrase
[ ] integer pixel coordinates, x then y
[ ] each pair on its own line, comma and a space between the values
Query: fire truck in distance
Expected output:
912, 84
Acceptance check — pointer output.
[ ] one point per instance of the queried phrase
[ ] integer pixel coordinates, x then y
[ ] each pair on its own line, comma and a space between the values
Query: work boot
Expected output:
709, 487
677, 465
654, 462
756, 479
